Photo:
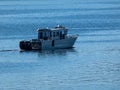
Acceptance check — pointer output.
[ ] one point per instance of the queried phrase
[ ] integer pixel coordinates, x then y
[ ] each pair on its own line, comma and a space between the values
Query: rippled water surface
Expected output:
93, 63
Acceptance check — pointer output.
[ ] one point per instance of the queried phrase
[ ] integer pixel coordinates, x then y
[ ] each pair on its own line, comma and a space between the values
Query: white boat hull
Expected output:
56, 38
58, 44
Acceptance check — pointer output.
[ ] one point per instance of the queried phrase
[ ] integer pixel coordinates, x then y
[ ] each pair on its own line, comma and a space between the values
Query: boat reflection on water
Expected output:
50, 52
58, 51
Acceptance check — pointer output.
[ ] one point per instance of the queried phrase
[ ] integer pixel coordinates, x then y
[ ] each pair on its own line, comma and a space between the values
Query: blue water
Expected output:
93, 63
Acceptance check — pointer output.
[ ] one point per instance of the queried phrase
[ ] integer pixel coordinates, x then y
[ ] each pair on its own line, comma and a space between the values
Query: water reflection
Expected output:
58, 51
50, 52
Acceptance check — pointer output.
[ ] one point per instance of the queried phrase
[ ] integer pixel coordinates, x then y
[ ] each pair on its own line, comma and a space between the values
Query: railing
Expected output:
72, 36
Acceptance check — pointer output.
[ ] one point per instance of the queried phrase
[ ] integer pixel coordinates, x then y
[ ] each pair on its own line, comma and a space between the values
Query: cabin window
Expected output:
50, 34
41, 35
60, 33
53, 34
45, 34
57, 33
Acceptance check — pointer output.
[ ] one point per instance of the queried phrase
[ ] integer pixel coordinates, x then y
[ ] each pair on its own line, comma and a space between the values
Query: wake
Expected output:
9, 50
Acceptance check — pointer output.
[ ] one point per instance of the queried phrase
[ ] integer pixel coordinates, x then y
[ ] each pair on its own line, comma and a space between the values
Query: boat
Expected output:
54, 38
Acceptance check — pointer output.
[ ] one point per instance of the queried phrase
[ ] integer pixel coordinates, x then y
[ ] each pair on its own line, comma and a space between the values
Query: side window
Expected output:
41, 35
53, 34
57, 33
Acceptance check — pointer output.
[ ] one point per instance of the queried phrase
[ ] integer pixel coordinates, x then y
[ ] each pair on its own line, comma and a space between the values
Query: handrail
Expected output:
70, 36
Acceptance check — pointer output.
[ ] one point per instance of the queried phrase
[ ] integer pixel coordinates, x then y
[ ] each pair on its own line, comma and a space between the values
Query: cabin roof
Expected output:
57, 28
43, 30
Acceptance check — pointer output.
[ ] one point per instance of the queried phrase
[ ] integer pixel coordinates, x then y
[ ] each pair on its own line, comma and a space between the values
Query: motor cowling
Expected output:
25, 45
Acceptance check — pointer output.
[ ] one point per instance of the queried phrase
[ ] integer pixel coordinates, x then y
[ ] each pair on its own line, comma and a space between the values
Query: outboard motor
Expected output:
25, 45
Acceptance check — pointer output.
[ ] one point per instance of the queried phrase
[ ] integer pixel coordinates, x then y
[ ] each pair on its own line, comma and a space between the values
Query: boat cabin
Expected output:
58, 32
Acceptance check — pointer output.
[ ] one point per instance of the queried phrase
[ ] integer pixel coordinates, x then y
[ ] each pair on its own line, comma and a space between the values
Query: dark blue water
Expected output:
93, 63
